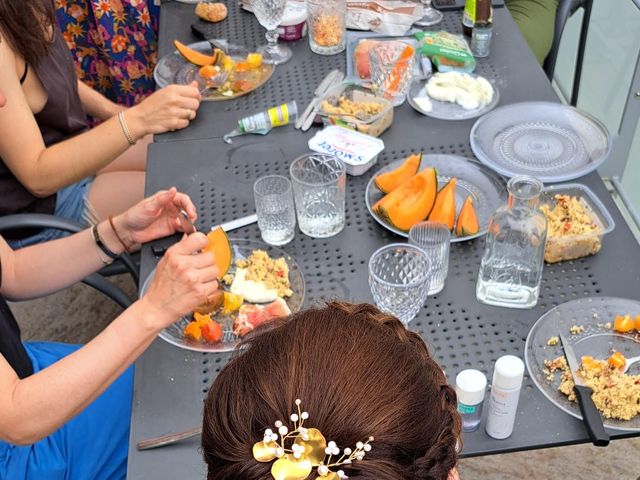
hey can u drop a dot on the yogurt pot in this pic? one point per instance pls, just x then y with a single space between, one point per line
293 26
358 151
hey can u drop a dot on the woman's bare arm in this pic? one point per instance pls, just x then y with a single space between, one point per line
44 171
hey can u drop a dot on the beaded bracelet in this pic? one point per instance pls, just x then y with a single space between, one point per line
125 128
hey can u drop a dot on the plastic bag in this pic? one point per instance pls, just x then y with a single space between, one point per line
448 52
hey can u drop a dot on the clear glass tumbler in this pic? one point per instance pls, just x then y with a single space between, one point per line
274 206
327 21
269 13
433 238
319 184
399 276
392 65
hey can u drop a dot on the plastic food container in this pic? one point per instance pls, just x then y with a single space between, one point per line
373 125
293 26
358 151
569 247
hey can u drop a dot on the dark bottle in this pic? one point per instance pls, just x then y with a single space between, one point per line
468 17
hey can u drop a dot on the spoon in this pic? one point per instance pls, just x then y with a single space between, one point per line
187 224
630 361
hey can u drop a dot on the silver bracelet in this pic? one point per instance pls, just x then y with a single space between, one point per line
125 128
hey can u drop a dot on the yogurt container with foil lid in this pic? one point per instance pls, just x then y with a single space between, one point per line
358 151
293 26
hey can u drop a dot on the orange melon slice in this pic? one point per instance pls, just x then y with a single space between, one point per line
194 57
411 202
219 245
444 210
388 181
467 219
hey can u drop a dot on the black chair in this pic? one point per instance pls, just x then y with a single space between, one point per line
126 263
566 8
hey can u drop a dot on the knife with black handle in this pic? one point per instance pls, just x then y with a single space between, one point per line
590 414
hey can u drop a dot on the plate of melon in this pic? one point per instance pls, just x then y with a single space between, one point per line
450 189
259 283
221 73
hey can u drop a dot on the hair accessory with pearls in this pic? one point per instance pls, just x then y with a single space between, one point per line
306 450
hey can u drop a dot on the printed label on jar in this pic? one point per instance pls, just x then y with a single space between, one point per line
467 409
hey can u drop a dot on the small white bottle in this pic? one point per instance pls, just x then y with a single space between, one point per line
505 393
471 385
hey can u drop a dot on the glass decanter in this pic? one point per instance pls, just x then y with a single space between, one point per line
511 268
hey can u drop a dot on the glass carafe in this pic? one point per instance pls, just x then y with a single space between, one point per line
511 268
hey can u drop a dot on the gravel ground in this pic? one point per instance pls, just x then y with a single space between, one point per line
78 313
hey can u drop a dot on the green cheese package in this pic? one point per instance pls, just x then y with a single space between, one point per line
448 52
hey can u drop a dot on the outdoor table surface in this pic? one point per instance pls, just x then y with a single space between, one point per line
171 383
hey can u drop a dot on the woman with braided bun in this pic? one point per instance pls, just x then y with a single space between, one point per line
358 374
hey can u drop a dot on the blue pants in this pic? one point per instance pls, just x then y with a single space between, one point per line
91 446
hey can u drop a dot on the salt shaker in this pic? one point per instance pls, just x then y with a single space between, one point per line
470 389
505 393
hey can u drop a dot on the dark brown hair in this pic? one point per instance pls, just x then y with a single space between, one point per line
359 373
24 24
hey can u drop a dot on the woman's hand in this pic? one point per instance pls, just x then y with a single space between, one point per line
154 217
184 279
170 108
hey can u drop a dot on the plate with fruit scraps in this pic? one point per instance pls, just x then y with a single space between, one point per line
588 325
234 73
242 319
486 190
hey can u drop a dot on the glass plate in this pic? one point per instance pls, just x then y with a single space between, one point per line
241 250
596 341
174 69
489 191
550 141
450 110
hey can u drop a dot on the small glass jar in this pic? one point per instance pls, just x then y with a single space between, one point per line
511 269
327 20
471 387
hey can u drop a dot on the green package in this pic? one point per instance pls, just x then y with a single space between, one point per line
448 52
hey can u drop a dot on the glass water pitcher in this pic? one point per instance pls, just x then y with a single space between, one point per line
511 268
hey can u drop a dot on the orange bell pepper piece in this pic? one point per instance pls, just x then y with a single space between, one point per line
638 323
617 360
193 331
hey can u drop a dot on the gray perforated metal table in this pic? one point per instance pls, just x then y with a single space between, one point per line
170 383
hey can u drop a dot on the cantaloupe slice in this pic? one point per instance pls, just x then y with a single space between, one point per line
444 210
194 57
388 181
411 202
219 245
467 219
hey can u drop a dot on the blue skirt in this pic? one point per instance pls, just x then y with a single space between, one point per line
91 446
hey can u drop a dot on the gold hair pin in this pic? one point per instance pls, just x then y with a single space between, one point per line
307 449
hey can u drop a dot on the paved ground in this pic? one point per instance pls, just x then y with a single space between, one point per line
78 313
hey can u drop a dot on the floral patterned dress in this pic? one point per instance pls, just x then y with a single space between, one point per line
114 44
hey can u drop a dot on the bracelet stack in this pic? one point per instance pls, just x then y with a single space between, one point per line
113 227
103 248
125 128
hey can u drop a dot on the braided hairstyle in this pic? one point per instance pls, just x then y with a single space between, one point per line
358 372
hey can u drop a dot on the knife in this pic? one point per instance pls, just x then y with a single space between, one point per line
590 415
238 223
333 78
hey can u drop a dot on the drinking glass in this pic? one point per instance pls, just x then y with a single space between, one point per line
274 207
327 26
430 17
399 277
269 13
319 184
392 66
433 238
